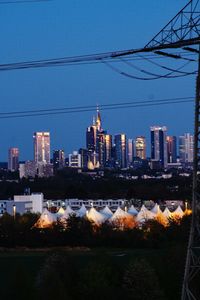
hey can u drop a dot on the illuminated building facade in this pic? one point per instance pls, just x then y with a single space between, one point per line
171 149
108 148
130 151
186 148
42 147
140 147
58 159
13 159
120 151
159 145
75 160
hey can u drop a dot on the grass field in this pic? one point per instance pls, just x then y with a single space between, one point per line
18 269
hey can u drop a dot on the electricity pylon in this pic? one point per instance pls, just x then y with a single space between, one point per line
183 31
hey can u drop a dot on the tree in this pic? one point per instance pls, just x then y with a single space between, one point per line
141 283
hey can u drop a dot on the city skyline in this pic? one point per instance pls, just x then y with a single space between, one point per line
141 144
56 34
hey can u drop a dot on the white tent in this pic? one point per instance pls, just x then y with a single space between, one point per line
156 209
122 219
132 210
144 215
81 212
119 214
60 212
46 219
107 212
178 212
67 213
167 213
95 216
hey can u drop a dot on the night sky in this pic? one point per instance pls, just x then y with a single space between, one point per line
59 28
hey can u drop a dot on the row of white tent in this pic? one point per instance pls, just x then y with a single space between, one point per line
99 217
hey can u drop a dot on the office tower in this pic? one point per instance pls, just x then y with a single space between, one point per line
95 142
186 148
120 151
84 157
58 159
171 149
159 145
91 138
140 147
75 160
13 159
42 147
108 148
130 150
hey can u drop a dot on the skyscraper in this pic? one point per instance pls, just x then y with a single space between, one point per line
140 147
159 145
95 142
41 147
120 150
108 148
186 148
130 151
58 159
13 159
171 149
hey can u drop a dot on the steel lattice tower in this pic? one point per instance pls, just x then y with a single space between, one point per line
184 30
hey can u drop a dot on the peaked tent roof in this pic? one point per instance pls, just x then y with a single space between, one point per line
107 212
81 212
144 215
119 214
178 212
96 216
67 213
60 212
156 209
167 213
132 210
46 219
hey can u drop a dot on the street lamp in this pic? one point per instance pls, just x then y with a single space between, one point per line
14 211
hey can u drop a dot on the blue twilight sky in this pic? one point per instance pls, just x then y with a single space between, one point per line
73 27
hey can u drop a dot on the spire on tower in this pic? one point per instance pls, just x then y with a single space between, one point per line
98 119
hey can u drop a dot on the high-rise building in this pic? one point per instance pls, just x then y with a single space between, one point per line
120 151
13 159
95 142
159 145
130 151
75 160
140 147
171 149
108 148
42 147
58 159
186 148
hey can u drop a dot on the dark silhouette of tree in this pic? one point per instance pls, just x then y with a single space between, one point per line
140 282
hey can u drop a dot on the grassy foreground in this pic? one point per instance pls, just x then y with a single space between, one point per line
19 268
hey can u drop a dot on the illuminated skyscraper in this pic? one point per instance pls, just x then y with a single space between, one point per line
58 159
13 159
186 148
42 147
95 142
120 150
159 145
108 148
130 150
171 149
140 147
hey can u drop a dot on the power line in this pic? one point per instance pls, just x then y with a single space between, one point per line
79 109
23 1
77 60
